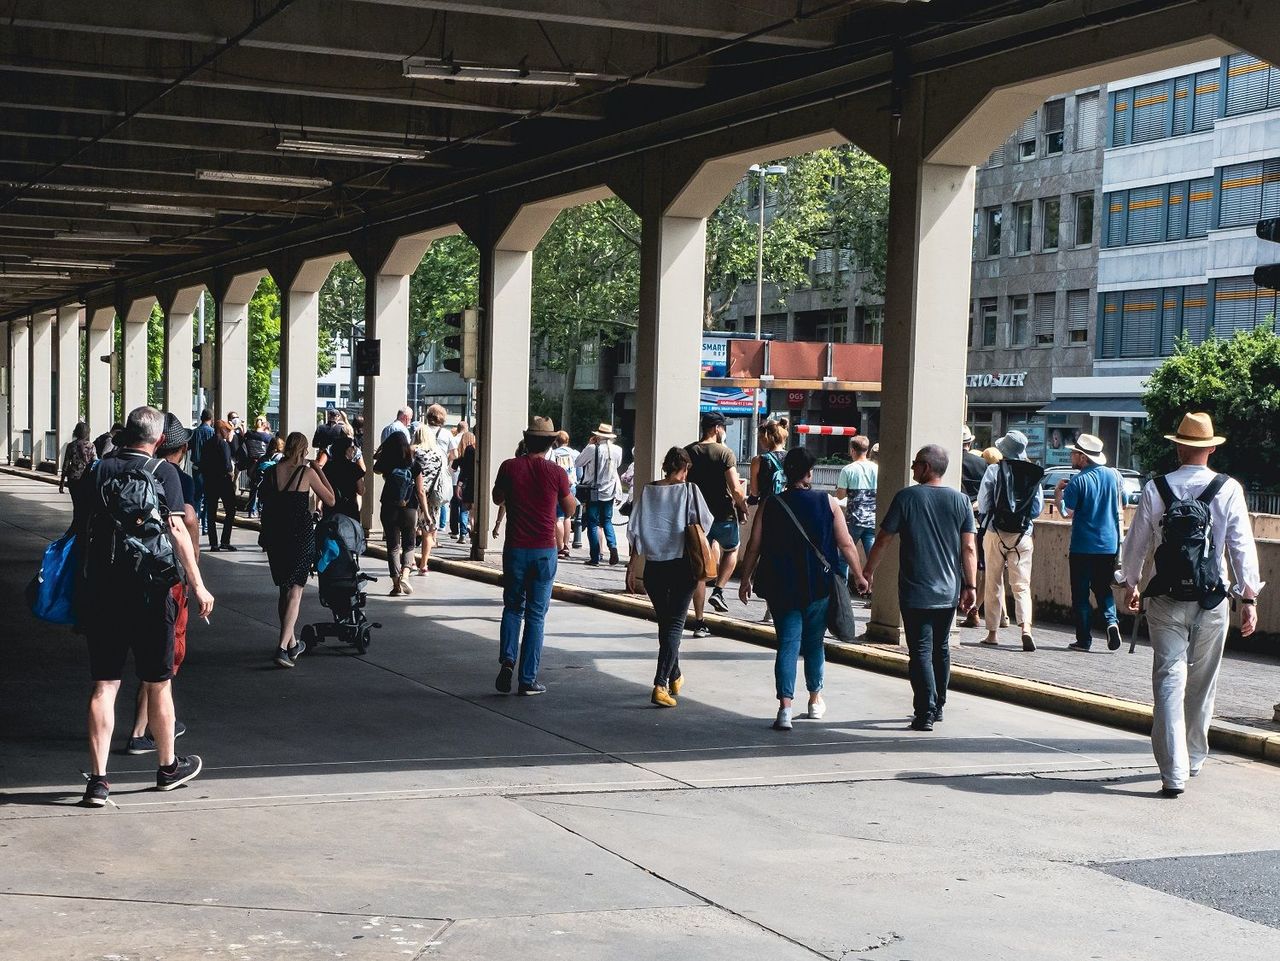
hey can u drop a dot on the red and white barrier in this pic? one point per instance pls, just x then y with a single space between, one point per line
826 431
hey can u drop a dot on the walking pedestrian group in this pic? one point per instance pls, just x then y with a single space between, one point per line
1188 558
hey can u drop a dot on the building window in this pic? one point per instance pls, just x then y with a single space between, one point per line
1195 102
989 321
1252 84
326 391
1087 121
994 217
1150 112
1055 112
1084 220
625 348
977 234
1147 323
1022 228
1078 316
1046 307
1249 192
1189 104
873 324
997 157
1027 137
1239 304
1019 321
1162 212
1050 221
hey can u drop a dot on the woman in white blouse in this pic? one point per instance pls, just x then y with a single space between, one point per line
656 530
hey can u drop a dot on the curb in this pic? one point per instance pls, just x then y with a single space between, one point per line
884 659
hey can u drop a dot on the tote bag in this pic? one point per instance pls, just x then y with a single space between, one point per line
697 549
51 592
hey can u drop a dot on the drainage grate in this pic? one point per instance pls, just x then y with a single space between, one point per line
1245 884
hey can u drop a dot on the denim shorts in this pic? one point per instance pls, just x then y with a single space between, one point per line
724 533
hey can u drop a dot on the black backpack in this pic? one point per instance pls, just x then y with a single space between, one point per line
1187 563
130 532
398 489
1017 482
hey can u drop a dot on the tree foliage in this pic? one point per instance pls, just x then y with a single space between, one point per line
1236 381
264 345
341 309
446 281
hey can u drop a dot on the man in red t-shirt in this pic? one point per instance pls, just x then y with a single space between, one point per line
530 487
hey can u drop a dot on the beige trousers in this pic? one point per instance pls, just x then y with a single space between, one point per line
1007 554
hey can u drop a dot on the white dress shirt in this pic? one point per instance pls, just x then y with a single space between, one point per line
1229 522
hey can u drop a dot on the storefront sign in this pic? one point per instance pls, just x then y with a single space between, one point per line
796 399
997 380
730 401
715 357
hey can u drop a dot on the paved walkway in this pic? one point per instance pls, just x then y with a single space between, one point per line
1248 688
394 806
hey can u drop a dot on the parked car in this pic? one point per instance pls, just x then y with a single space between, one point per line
1130 480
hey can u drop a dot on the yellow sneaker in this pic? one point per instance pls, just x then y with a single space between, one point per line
675 684
662 698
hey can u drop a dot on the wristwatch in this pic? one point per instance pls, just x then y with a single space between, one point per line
968 587
1248 600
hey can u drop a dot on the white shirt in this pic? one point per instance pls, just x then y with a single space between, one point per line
598 466
657 523
394 426
447 442
1229 522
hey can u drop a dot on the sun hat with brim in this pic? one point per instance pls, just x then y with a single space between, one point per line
175 435
1013 445
541 427
1196 430
966 435
605 431
1091 447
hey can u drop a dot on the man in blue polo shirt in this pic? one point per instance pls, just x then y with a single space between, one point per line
1092 499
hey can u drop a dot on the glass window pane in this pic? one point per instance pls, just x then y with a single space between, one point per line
1246 83
1200 211
1146 215
1022 221
1150 108
1020 321
1140 323
1084 220
1241 195
1050 220
993 231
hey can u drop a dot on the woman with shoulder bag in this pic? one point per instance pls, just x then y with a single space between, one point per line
791 559
290 535
403 496
657 529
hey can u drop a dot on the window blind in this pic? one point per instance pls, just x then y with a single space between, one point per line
1271 188
1199 206
1176 212
1077 310
1150 108
1087 121
1195 312
1241 194
1235 302
1247 84
1121 114
1183 104
1170 319
1045 305
1146 215
1117 202
1110 323
1205 110
1140 323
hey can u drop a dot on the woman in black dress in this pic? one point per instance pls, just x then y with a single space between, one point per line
218 467
290 536
346 476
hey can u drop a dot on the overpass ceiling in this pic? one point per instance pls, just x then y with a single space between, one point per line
139 139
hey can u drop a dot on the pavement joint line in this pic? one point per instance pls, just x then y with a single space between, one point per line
1038 695
835 776
1050 747
207 904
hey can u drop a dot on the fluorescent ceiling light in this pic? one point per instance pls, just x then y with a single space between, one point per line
34 275
101 236
73 264
169 209
419 70
358 151
264 180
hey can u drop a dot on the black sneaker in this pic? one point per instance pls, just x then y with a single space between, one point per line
717 600
1028 643
937 715
283 659
700 629
294 652
503 683
530 690
96 792
179 729
184 769
1077 646
1170 792
1113 637
140 745
229 547
922 723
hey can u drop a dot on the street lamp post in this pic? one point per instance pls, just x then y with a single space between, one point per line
755 392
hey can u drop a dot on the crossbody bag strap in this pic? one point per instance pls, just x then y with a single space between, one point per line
826 565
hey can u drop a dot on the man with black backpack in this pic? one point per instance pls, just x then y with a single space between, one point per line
1189 517
1009 501
137 548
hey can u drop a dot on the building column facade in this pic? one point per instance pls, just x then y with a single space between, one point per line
99 336
6 393
925 329
133 355
40 383
300 343
178 378
19 386
70 317
231 331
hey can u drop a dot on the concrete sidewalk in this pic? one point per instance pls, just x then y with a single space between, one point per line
395 806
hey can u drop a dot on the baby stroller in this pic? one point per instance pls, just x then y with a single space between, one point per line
339 544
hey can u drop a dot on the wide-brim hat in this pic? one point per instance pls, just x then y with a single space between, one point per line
1091 447
605 431
966 435
175 434
541 427
1013 445
1196 430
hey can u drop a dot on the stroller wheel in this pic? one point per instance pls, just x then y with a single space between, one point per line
309 635
362 639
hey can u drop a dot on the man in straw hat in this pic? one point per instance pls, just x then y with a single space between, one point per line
529 487
598 466
1186 615
1094 501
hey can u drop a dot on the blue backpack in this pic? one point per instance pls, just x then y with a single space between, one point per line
779 478
398 489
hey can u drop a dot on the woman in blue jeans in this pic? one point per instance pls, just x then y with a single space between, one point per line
783 566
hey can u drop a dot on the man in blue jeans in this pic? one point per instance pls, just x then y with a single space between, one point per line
937 568
529 487
598 466
1093 501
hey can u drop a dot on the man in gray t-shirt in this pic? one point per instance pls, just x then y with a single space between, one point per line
937 568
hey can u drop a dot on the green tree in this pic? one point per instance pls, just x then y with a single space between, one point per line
586 286
155 360
341 309
446 281
264 345
1236 381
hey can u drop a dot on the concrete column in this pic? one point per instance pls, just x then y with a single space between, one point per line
70 317
133 355
99 336
386 312
179 342
19 385
231 367
673 257
926 302
506 299
6 392
40 383
300 343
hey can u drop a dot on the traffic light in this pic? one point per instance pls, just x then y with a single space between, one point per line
465 343
1268 275
368 358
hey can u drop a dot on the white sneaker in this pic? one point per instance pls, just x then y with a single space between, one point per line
783 721
405 586
817 709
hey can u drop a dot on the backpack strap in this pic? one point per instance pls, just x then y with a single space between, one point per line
1210 492
1165 491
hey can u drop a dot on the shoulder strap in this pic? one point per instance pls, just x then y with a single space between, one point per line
822 560
151 465
1210 492
1165 491
297 472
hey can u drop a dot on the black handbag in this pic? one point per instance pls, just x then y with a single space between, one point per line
840 620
